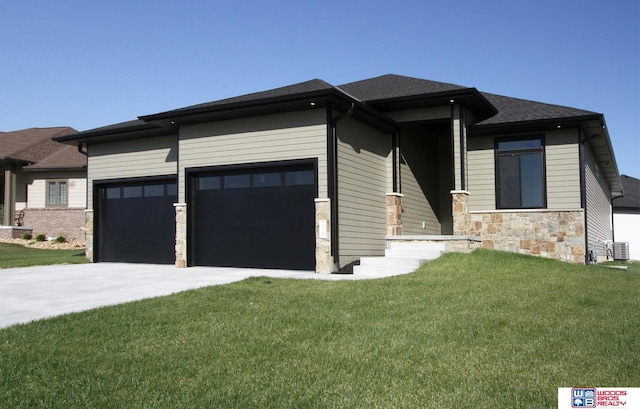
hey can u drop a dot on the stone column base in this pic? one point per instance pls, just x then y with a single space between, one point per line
324 259
181 234
394 214
88 224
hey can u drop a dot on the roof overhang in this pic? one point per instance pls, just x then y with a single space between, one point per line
332 98
126 130
471 98
167 123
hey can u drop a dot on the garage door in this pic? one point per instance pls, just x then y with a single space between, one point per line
259 217
136 222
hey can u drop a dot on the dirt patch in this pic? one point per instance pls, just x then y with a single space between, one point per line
49 245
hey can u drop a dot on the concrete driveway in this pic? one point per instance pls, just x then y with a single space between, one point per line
32 293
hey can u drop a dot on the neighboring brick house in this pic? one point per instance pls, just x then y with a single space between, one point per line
626 216
44 184
314 176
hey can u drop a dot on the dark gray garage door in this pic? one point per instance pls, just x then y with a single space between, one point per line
259 217
135 222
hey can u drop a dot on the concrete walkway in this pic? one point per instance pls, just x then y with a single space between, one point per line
32 293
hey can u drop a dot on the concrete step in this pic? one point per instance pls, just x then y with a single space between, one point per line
417 245
391 261
382 270
411 253
387 265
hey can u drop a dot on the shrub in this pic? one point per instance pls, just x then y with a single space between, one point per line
27 236
60 239
41 237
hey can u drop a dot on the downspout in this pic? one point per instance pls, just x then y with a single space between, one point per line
583 196
85 153
332 158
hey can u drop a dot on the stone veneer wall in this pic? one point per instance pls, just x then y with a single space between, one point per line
88 225
55 222
394 214
324 259
181 234
557 234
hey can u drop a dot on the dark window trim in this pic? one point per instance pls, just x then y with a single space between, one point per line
103 184
497 154
240 169
57 184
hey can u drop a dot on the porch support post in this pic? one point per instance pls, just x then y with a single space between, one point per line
9 197
459 139
324 259
394 214
460 210
181 234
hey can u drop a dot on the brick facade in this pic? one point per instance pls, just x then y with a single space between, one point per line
55 222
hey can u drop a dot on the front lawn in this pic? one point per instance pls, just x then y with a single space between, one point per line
483 330
15 255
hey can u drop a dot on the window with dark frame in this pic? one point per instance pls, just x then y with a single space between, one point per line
57 193
520 173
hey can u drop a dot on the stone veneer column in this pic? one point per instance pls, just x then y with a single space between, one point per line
394 214
181 234
324 259
460 212
88 224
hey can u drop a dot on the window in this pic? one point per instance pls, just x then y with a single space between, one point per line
57 193
520 174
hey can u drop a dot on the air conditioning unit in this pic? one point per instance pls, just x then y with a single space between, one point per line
621 250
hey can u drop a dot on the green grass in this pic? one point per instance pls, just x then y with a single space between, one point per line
14 255
483 330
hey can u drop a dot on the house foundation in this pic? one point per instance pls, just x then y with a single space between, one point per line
557 234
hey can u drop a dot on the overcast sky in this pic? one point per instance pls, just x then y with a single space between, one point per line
90 63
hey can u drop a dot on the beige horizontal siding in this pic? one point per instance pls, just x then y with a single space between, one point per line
77 192
562 169
130 159
481 170
598 207
298 135
362 182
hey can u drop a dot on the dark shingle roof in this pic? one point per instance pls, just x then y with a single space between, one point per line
631 189
35 146
30 144
312 86
65 157
395 86
512 110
